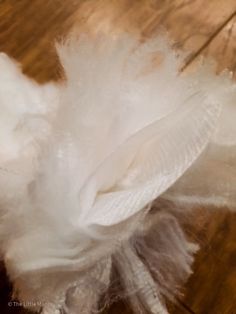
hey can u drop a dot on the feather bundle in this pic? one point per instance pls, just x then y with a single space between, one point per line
83 161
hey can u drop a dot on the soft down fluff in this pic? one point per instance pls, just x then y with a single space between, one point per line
82 162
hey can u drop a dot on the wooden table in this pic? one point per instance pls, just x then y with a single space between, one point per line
28 29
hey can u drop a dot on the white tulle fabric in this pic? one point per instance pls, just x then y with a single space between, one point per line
83 160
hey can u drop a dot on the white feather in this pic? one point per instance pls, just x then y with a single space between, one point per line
110 140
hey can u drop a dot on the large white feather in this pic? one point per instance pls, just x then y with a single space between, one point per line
83 161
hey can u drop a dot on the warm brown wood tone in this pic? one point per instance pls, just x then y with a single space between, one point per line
28 29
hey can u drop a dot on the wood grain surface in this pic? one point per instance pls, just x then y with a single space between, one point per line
28 30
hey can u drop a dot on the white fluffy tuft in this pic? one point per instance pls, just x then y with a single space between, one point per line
82 161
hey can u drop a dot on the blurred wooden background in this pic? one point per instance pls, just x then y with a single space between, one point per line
28 29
